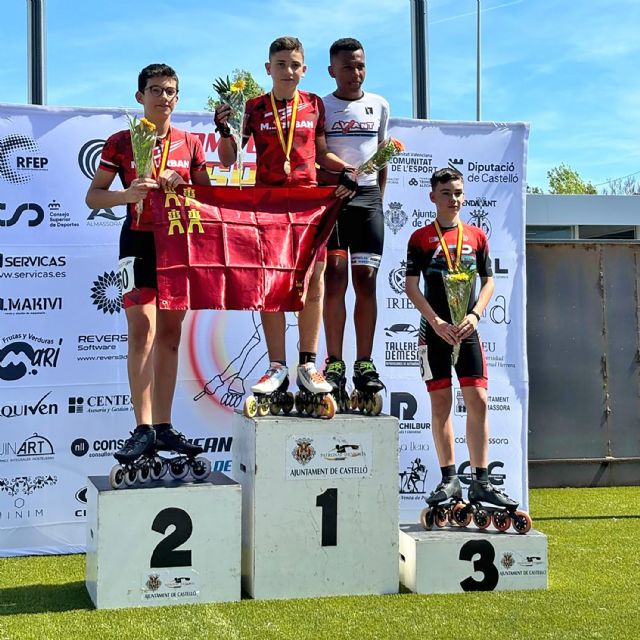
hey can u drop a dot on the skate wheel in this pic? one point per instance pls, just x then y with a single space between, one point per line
178 469
377 405
501 520
299 404
481 519
116 476
287 403
309 408
201 468
329 406
368 406
440 517
354 400
250 407
460 515
144 474
263 410
425 518
521 521
130 476
360 403
275 408
158 468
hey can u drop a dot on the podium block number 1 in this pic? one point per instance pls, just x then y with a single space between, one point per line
165 554
328 502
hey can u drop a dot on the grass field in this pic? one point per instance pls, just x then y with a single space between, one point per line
594 592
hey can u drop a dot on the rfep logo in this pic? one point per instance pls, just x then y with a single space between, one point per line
18 159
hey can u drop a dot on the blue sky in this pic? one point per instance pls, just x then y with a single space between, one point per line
567 68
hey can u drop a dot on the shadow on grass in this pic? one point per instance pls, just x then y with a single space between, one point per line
611 517
44 598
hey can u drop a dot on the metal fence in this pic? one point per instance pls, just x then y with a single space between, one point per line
583 315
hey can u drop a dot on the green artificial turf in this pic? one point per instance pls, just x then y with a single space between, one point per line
594 592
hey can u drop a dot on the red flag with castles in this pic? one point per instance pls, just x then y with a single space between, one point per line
231 248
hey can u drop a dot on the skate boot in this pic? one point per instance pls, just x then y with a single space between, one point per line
314 393
445 505
501 509
188 459
135 458
270 394
366 397
334 374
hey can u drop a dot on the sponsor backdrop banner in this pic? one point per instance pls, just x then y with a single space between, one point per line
64 397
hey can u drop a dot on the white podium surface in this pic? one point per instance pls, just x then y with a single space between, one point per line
456 559
320 505
163 543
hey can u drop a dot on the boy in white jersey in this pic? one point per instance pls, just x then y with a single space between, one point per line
355 124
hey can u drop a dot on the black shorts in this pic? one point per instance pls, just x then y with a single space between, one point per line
360 228
141 246
471 367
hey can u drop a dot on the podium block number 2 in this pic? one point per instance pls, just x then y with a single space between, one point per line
165 554
328 501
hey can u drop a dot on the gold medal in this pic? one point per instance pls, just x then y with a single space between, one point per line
287 167
286 146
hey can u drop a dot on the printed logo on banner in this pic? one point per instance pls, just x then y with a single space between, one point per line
521 565
116 402
101 347
26 409
26 485
494 403
403 350
396 282
401 329
110 218
404 407
492 172
498 310
168 584
89 157
106 292
21 267
329 455
58 217
422 217
27 354
412 163
18 159
394 217
33 214
35 448
495 477
479 216
29 306
81 497
457 164
413 478
22 490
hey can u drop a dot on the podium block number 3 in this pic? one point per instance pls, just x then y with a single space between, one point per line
328 501
484 564
165 554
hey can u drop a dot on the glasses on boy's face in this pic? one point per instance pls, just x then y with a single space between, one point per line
156 91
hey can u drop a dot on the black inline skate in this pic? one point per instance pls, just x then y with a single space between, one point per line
445 505
314 393
187 461
501 509
335 374
135 458
270 394
366 397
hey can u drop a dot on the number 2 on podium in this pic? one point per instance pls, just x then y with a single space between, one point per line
328 501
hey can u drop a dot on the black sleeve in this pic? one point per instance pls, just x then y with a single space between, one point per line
483 260
415 259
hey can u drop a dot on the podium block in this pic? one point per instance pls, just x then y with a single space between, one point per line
163 543
320 505
465 559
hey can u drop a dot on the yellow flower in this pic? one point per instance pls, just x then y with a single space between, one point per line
238 85
147 124
460 276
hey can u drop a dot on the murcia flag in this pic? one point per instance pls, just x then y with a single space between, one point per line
231 248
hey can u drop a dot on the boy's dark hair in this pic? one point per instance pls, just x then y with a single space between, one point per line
447 174
286 43
345 44
155 71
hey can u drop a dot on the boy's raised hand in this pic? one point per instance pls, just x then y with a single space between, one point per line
221 118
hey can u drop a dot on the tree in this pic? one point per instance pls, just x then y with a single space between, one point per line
536 190
564 180
251 88
627 186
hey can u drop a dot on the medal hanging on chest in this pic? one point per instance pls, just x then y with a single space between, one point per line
451 265
286 146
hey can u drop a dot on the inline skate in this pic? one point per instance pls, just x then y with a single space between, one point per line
135 458
445 506
366 380
501 509
314 393
270 394
188 458
334 374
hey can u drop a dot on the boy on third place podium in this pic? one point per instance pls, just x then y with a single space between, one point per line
288 129
438 248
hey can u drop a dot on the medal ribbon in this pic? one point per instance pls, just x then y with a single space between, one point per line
294 112
166 143
445 248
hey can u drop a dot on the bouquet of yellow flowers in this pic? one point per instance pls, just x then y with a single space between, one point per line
143 140
386 150
458 285
232 93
